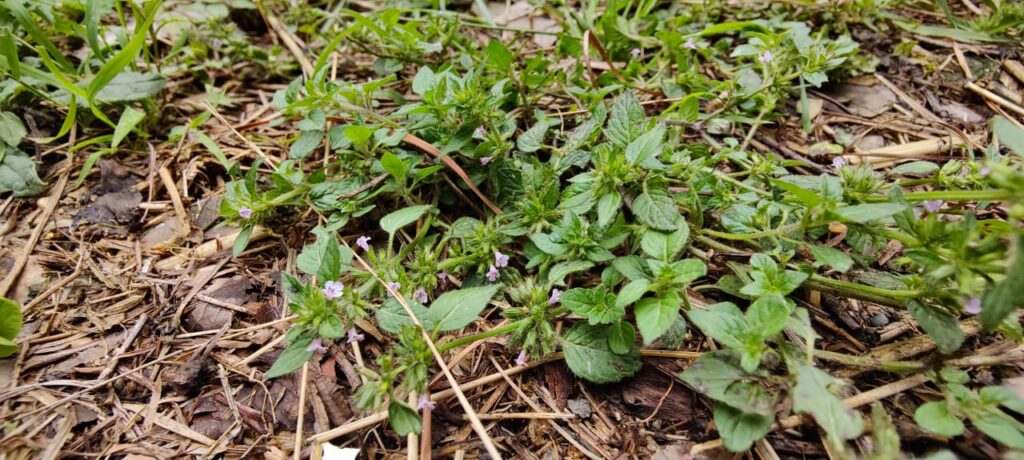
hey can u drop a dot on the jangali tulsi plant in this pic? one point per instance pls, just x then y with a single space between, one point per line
607 221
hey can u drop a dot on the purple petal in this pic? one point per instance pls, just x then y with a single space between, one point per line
245 212
424 402
485 160
492 273
933 205
766 57
556 296
363 242
354 336
521 359
973 306
420 296
317 346
690 44
333 289
838 162
500 260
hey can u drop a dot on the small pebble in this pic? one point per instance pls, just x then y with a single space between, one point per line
580 408
879 320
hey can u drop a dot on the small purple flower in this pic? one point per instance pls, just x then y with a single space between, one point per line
500 260
245 212
363 242
973 306
635 52
556 296
485 160
492 273
420 296
521 359
354 336
933 205
394 285
317 346
333 289
766 57
442 275
690 44
480 131
985 171
425 403
838 162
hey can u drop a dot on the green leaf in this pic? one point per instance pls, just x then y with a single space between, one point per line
607 206
129 86
631 267
402 217
665 246
589 356
914 167
1003 298
394 166
241 241
293 357
1003 396
740 429
646 146
307 142
112 68
655 316
532 140
621 337
838 260
1000 427
545 243
424 81
10 326
594 304
811 395
863 213
498 55
723 322
560 270
657 211
391 316
940 326
1009 134
457 309
768 314
322 258
331 328
626 116
403 419
130 118
18 174
885 439
936 418
631 293
12 130
687 270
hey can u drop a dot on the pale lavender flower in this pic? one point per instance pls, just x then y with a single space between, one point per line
985 171
635 52
766 57
521 359
932 205
480 131
500 260
425 403
492 273
442 275
690 44
354 336
394 285
556 296
838 162
317 346
245 212
420 296
972 306
485 160
363 242
333 289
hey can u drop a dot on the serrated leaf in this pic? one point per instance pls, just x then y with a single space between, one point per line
657 211
545 243
863 213
392 222
740 429
655 315
631 292
621 337
293 356
457 309
936 418
768 315
607 206
594 304
321 258
532 140
589 356
646 146
811 395
391 316
560 270
940 326
305 144
665 246
631 267
722 321
626 116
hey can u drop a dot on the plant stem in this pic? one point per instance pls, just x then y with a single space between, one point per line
480 336
753 236
890 297
949 195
